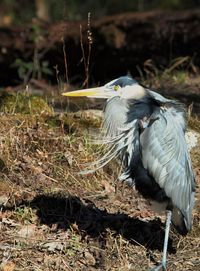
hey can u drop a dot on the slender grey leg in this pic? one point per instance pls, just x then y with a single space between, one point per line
163 265
168 222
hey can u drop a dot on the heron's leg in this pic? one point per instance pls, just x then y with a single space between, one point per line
168 222
162 266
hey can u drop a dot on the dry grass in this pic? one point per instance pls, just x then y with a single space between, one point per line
55 219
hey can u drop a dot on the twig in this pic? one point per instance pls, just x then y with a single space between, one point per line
90 41
65 61
50 178
82 48
57 78
190 109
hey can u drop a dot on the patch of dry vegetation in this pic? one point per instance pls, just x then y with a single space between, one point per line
22 102
54 219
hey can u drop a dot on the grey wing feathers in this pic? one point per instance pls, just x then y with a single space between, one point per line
158 96
165 156
178 110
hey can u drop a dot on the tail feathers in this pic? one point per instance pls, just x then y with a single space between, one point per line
179 222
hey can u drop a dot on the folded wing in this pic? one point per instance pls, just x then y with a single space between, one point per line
165 156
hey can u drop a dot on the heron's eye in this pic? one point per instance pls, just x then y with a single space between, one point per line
116 88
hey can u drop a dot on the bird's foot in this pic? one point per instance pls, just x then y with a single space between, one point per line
160 267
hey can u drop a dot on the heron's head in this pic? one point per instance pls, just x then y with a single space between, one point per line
124 87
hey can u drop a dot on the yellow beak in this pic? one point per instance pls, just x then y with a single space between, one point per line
98 92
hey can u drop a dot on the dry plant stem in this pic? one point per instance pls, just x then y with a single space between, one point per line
82 48
89 36
57 78
65 61
86 61
36 68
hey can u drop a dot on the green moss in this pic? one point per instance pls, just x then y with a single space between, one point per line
23 103
52 121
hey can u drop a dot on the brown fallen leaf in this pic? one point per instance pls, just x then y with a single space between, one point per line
108 187
69 157
90 260
3 200
74 226
7 266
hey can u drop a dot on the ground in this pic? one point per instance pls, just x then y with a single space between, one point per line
53 218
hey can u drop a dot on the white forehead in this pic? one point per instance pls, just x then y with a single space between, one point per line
132 92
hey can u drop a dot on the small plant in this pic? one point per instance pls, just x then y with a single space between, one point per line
36 67
24 69
27 70
25 214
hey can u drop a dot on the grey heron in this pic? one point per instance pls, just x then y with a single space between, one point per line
147 132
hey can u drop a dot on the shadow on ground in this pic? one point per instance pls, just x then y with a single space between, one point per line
67 210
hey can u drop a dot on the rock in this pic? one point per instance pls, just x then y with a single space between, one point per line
191 139
53 246
27 231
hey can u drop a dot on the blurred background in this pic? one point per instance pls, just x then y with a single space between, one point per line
23 11
60 45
